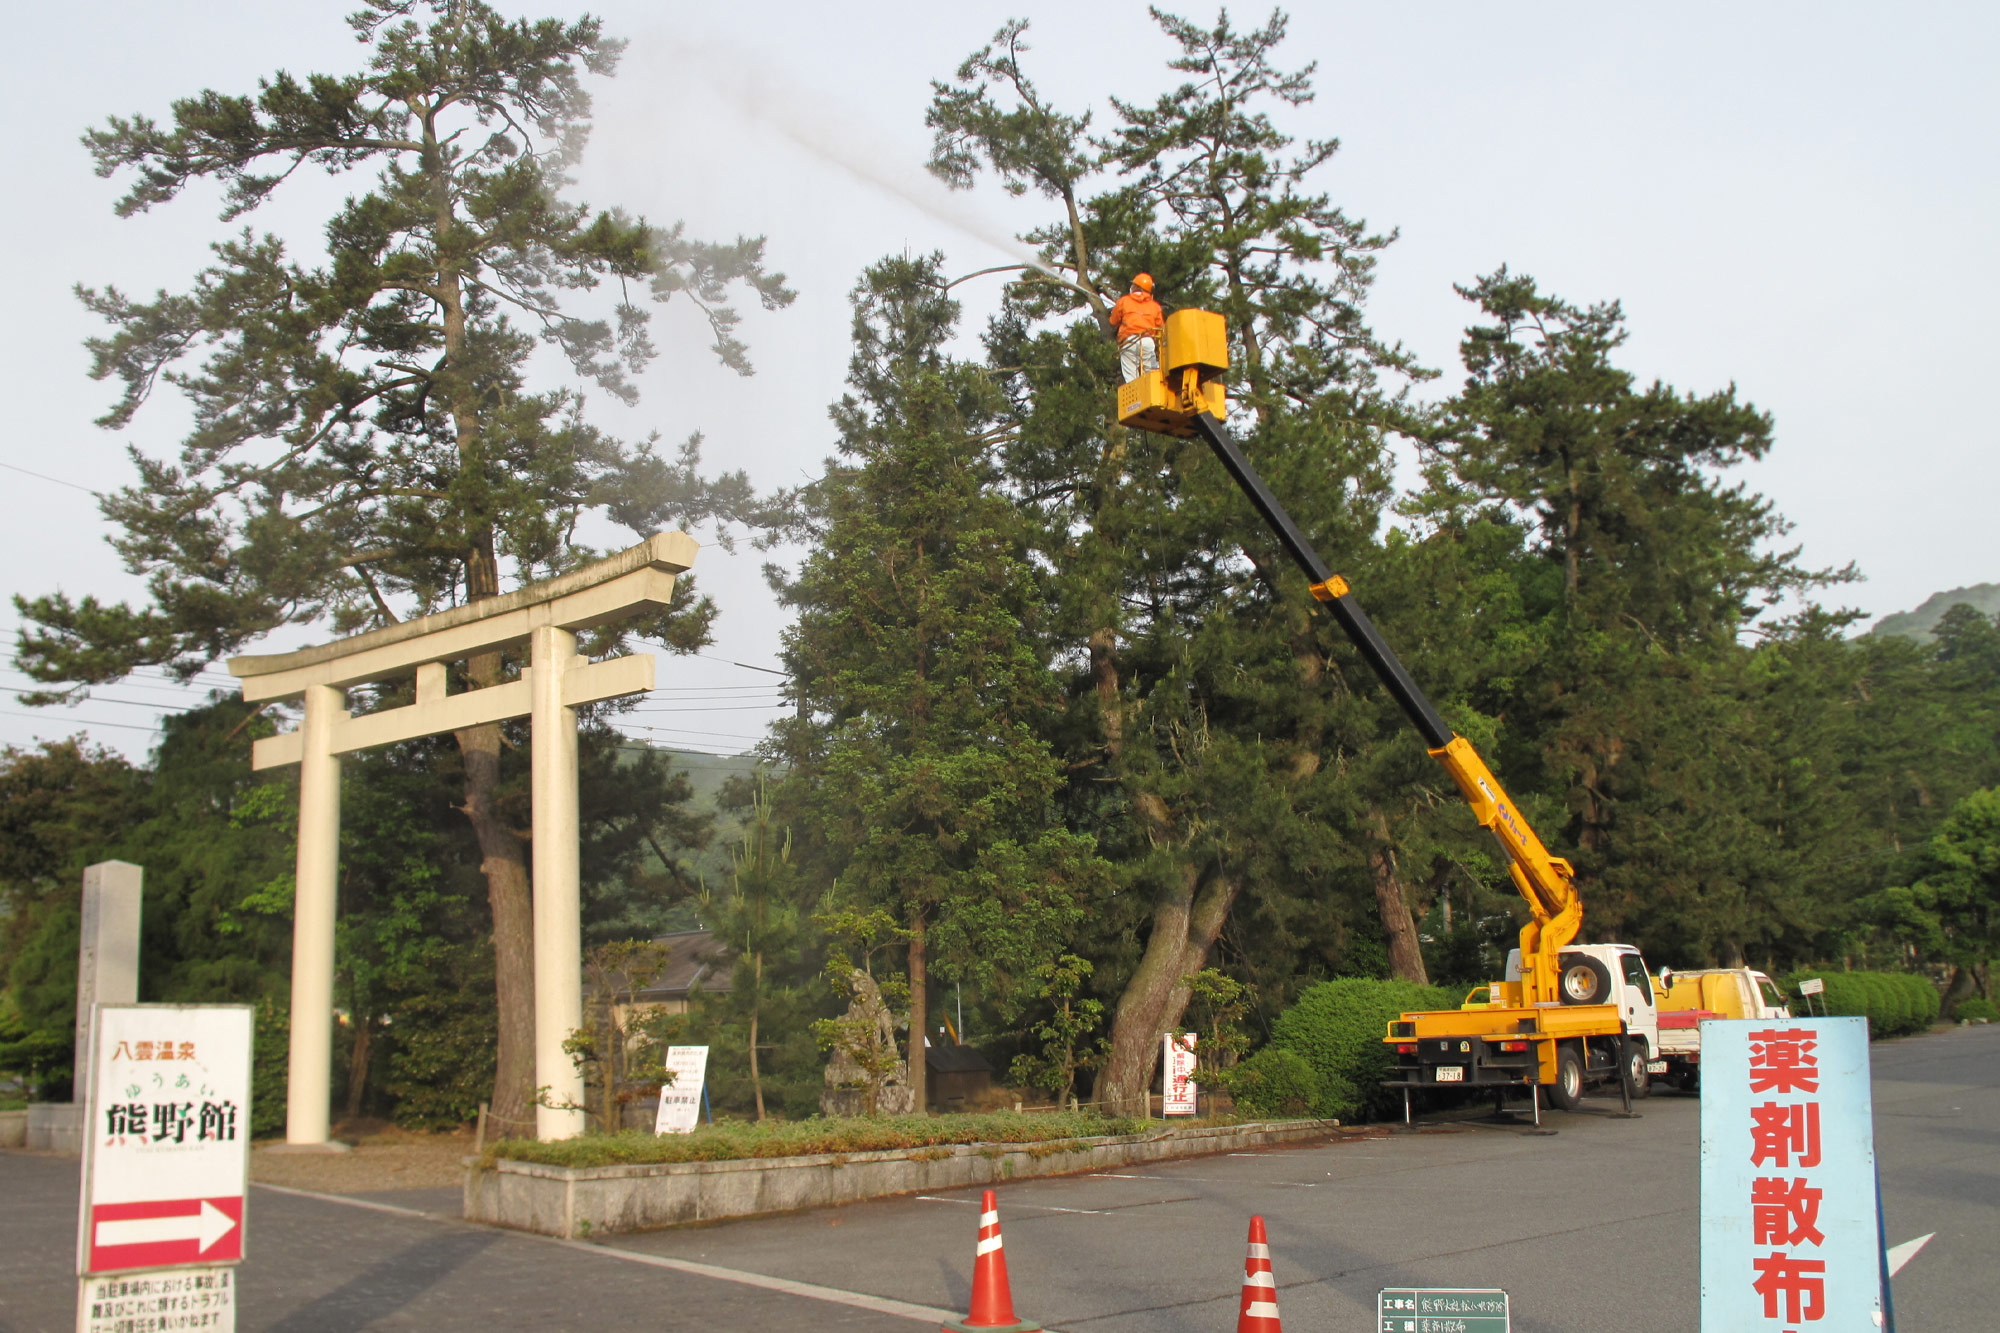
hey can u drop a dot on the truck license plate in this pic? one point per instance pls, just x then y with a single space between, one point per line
1451 1073
1656 1067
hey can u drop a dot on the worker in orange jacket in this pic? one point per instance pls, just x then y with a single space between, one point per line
1137 321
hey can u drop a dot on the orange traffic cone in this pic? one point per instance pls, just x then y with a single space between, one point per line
992 1302
1259 1312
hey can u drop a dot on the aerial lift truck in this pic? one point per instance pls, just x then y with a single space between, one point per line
1567 1014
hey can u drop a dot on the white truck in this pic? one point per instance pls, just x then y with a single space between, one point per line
1686 998
1605 1027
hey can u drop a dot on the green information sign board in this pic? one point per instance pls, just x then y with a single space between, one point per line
1441 1310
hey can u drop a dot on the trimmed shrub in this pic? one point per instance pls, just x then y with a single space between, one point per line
1338 1026
1276 1082
736 1140
1924 1003
1894 1003
1888 1007
1976 1009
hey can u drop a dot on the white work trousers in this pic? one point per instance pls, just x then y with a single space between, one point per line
1138 355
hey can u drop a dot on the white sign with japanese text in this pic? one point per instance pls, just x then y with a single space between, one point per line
680 1099
185 1300
1177 1083
166 1143
1789 1235
166 1154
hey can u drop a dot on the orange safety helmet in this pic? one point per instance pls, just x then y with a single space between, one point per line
1143 281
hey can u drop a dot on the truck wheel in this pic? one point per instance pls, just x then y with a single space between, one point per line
1583 980
1566 1093
1635 1069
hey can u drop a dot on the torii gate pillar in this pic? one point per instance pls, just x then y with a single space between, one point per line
555 682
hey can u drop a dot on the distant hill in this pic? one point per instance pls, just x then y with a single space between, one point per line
714 864
1918 624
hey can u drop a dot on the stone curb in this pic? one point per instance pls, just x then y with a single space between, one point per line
573 1202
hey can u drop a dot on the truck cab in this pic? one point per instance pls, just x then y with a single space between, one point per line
1622 981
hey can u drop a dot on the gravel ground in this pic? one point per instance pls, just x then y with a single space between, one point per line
393 1160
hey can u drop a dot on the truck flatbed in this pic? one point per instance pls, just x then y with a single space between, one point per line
1487 1045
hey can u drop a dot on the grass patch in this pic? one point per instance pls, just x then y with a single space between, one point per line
739 1140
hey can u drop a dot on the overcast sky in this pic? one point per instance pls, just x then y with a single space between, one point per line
1799 199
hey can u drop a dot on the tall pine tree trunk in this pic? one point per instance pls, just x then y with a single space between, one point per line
1188 917
1187 920
756 1004
919 1012
1406 956
357 1063
502 856
503 860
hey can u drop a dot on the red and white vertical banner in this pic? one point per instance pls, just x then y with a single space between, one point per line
1790 1240
166 1157
1177 1081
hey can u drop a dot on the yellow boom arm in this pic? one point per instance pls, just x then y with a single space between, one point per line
1184 397
1544 880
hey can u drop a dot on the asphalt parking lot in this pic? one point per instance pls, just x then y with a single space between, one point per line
1594 1227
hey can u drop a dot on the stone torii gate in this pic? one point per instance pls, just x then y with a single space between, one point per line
551 687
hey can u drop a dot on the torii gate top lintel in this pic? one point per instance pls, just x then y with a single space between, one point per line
636 579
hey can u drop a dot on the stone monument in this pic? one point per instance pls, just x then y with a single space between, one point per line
107 972
866 1076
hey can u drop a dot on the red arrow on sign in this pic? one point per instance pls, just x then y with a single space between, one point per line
165 1232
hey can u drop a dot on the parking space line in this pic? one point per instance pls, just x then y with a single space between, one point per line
1013 1204
1211 1180
859 1300
351 1201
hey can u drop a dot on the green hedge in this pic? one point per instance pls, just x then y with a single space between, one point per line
1894 1003
733 1140
1975 1007
1337 1028
1276 1083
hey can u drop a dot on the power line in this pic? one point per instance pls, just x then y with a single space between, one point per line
218 673
39 717
723 691
43 476
731 708
181 695
99 698
769 671
688 731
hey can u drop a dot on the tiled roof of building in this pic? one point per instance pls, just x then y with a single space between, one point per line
698 959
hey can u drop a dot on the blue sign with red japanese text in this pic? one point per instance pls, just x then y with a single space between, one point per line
1790 1240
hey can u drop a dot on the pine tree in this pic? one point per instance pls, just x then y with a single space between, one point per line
765 920
364 435
1204 689
917 768
1640 709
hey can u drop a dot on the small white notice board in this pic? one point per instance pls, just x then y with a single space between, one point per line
166 1153
680 1099
1177 1084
